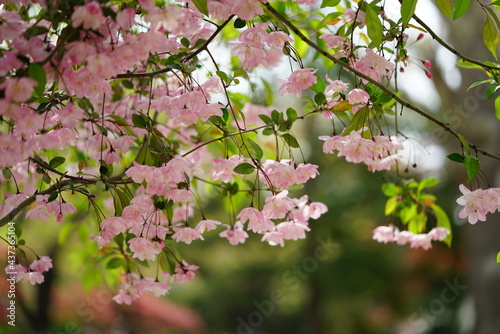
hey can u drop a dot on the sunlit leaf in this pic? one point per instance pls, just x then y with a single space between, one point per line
445 7
490 36
461 6
471 167
407 10
374 27
442 220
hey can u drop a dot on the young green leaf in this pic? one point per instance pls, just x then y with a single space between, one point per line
445 7
259 153
442 221
490 36
329 3
465 143
202 6
244 168
456 157
290 140
390 205
461 6
374 27
471 167
497 107
56 162
407 11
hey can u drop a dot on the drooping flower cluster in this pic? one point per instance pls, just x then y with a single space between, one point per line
298 81
258 47
33 273
282 174
378 153
387 234
478 203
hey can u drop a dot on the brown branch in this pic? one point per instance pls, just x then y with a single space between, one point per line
380 86
450 48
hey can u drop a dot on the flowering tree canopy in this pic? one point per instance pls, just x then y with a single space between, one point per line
142 112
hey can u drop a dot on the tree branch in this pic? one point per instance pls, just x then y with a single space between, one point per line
383 88
450 48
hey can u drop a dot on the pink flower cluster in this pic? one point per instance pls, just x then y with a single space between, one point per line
43 208
258 47
374 66
296 213
34 273
299 80
377 153
478 203
134 286
224 168
387 234
283 174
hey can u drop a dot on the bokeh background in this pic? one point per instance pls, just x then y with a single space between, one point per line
338 280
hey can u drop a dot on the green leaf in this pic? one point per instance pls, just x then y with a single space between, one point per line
471 167
456 157
357 122
408 213
6 173
329 3
461 6
465 143
490 91
407 11
374 27
390 205
139 121
116 262
445 7
389 189
36 71
498 257
244 168
202 6
477 83
291 115
239 23
34 31
56 162
223 76
290 140
266 119
497 107
239 72
259 153
490 36
320 98
53 197
442 220
427 183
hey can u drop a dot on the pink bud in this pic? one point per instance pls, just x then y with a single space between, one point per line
420 36
427 64
401 69
429 74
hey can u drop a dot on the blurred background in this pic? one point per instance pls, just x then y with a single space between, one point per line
338 280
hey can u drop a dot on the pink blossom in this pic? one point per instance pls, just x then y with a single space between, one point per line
299 80
403 237
184 273
357 95
473 204
247 9
257 222
19 89
143 249
235 234
114 225
42 264
125 18
224 168
383 234
89 16
439 233
274 238
277 206
304 172
336 86
421 241
278 39
333 41
186 234
207 225
315 210
292 230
